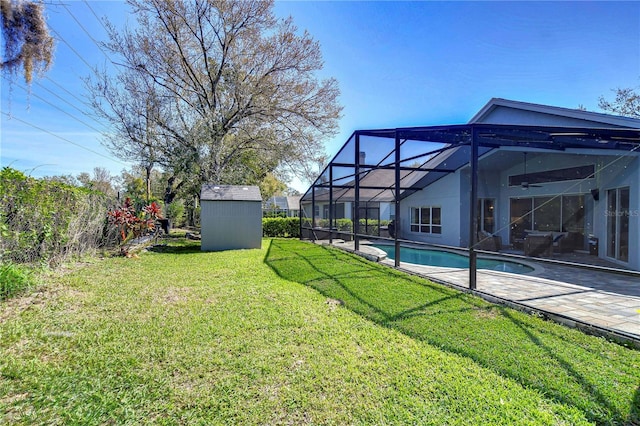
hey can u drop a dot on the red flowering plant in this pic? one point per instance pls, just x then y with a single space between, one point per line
133 225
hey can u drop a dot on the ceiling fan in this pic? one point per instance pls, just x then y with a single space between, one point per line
525 182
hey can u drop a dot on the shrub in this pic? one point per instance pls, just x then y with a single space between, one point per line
175 212
368 227
344 225
47 221
14 279
281 227
131 224
274 213
293 227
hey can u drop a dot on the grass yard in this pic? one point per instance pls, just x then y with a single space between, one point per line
293 334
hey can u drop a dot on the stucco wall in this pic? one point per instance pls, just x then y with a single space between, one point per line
443 193
621 173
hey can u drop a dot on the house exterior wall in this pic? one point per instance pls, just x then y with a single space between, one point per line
489 186
442 193
229 225
612 171
322 210
386 211
451 193
622 173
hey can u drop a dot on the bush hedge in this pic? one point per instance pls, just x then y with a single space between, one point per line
367 226
281 227
45 221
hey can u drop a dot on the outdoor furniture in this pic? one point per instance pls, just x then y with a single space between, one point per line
567 242
488 242
538 245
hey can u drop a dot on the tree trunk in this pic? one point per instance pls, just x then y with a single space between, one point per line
148 178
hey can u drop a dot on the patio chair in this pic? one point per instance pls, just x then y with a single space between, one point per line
538 245
567 242
488 242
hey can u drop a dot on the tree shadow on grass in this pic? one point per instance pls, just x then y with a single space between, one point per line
180 248
345 283
563 364
634 416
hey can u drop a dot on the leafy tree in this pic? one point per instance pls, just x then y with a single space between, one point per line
626 103
134 186
100 181
27 42
271 186
314 168
65 179
176 213
291 192
229 91
142 186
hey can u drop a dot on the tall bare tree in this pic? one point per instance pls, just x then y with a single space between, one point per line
626 102
128 102
101 181
234 91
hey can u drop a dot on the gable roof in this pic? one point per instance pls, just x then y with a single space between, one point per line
281 202
276 202
213 192
525 113
293 201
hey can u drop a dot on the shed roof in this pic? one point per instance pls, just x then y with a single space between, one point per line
213 192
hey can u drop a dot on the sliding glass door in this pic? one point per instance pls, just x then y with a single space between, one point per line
618 224
486 215
560 213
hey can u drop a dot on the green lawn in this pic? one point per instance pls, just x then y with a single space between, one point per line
293 334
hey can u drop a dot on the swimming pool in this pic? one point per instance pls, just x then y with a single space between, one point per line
433 257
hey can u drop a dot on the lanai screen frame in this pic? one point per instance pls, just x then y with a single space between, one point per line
454 138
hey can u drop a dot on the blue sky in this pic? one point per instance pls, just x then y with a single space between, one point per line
398 64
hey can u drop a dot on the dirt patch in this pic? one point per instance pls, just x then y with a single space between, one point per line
10 399
334 303
488 312
16 305
174 295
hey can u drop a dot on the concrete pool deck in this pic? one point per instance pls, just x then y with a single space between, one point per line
599 302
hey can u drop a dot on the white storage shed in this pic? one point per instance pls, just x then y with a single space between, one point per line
230 217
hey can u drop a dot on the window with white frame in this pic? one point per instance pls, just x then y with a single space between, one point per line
427 220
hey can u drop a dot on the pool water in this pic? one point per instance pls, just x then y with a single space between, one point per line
452 260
